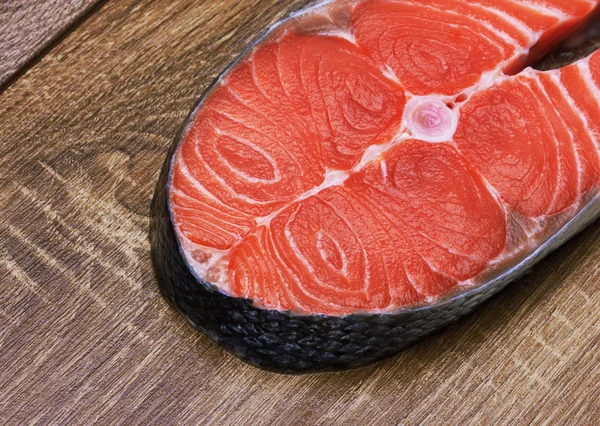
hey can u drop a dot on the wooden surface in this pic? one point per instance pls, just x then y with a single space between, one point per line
84 334
28 27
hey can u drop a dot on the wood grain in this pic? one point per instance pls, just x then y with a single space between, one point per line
28 27
84 334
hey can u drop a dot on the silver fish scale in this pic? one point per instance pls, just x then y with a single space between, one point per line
289 343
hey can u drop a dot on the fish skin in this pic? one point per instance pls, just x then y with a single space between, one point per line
565 56
580 45
290 343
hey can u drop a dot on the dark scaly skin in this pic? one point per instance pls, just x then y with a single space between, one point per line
292 343
585 43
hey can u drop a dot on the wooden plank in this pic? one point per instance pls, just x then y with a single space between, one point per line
29 27
84 334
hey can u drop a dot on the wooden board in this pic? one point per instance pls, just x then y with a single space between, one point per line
29 27
84 334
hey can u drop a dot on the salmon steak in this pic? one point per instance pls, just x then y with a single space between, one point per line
367 172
